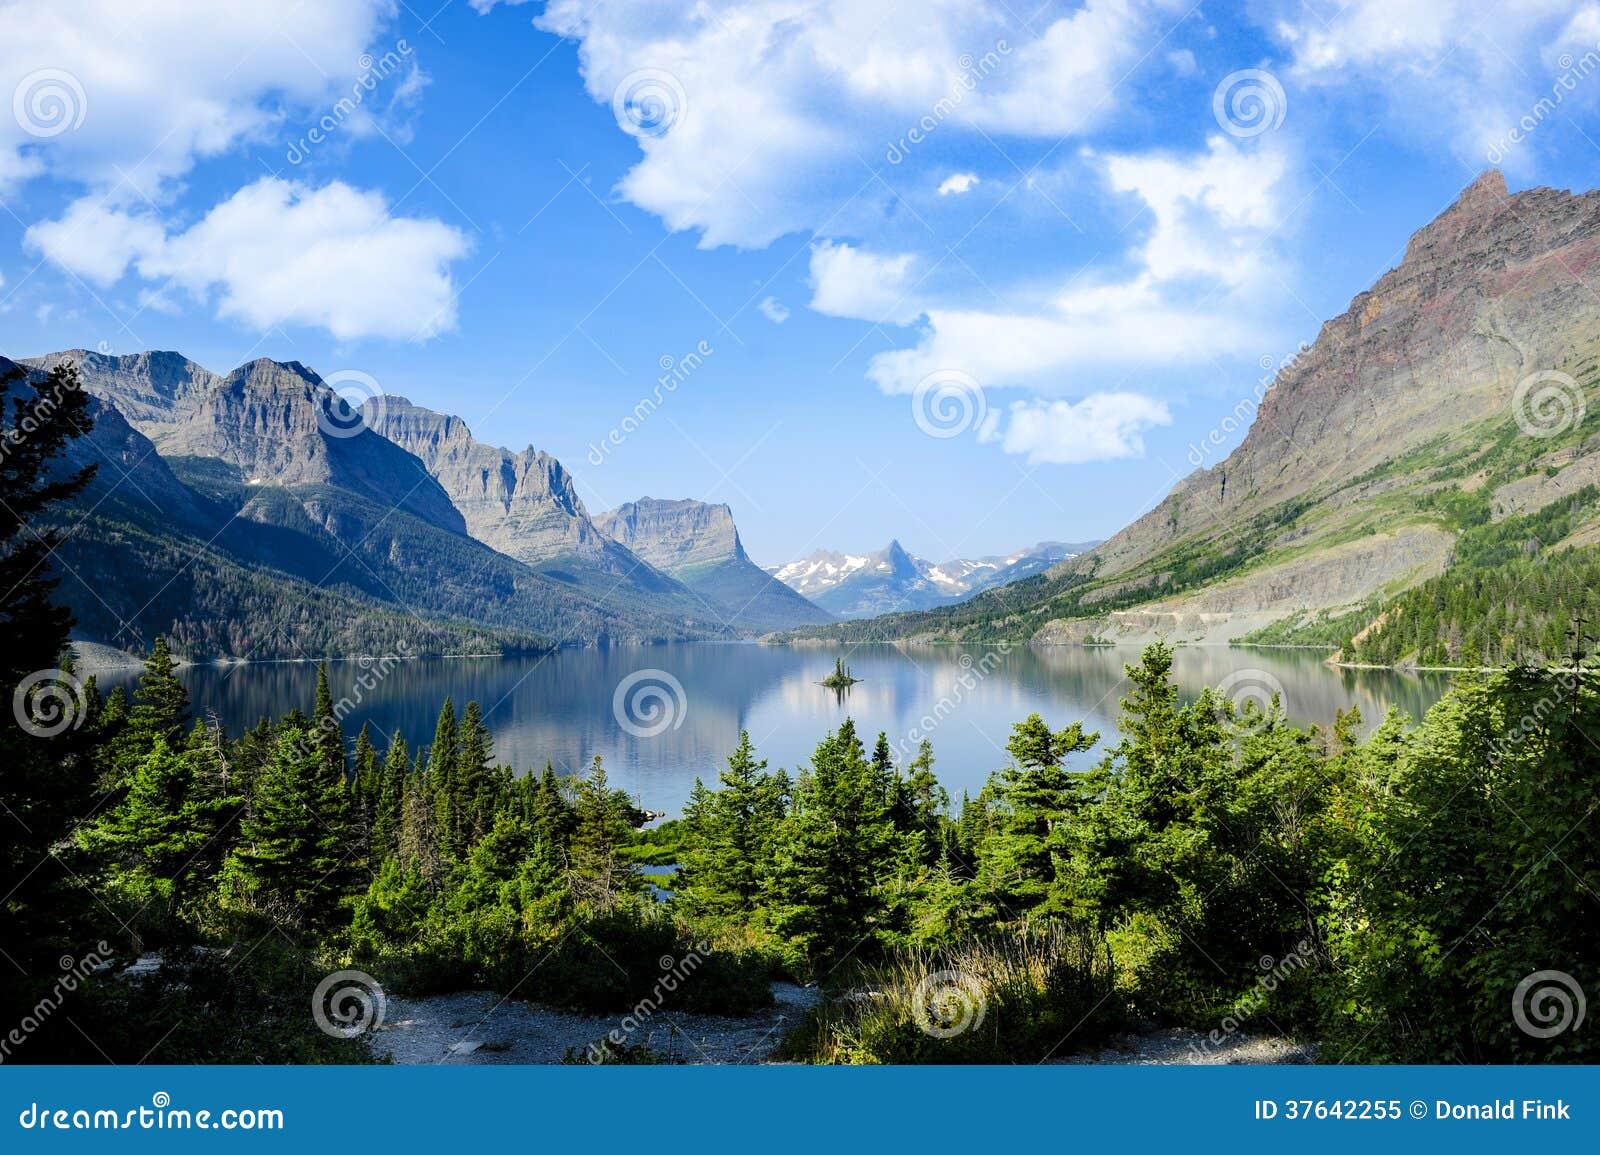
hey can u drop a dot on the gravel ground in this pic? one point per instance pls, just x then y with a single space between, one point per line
478 1027
1179 1047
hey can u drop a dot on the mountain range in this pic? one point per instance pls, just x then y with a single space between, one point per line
250 515
1418 485
891 579
253 514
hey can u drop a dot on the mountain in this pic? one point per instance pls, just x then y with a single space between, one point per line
891 580
233 515
525 505
1418 484
699 545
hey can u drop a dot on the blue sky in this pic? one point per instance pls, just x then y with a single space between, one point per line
970 274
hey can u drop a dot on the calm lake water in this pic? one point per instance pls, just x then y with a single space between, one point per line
681 706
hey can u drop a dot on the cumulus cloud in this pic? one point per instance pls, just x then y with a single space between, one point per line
957 183
1101 427
125 98
851 282
771 104
279 253
1201 264
774 310
1458 71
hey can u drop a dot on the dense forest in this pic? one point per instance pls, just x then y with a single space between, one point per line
1386 897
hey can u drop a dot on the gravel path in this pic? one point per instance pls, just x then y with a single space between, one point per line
478 1027
1179 1047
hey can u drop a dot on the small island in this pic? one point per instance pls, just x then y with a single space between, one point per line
841 678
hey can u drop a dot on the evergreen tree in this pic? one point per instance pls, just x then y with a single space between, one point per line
603 821
441 779
328 729
727 863
473 784
293 859
46 772
839 855
389 799
1022 859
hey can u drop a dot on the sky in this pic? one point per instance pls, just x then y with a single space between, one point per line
968 274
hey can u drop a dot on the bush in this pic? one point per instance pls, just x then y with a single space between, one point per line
1019 998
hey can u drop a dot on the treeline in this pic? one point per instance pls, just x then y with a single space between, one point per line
1384 898
1509 597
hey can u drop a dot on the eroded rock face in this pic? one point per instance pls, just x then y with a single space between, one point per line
269 420
1486 294
676 536
522 504
698 544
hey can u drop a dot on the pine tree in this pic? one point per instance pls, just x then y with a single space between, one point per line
46 776
389 798
329 731
152 846
474 779
839 854
293 859
727 862
441 779
604 820
1023 856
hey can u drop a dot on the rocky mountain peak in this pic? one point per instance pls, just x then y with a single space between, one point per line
675 536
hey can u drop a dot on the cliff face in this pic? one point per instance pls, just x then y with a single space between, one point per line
676 536
1487 294
523 504
698 544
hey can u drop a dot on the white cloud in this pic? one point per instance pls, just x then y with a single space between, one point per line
774 310
958 183
95 242
851 282
774 102
1457 71
1101 427
278 253
1197 289
154 86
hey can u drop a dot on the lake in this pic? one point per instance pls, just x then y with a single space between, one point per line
660 715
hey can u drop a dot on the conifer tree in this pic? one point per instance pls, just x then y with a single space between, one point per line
1023 856
728 860
839 853
441 778
389 798
293 858
603 821
329 731
474 778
